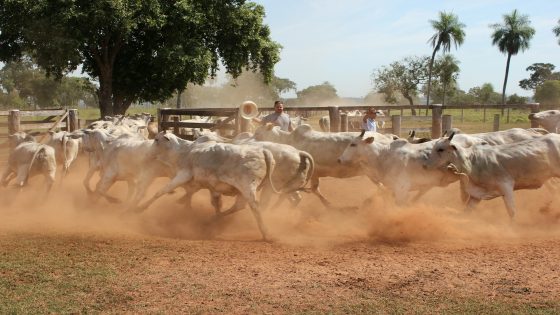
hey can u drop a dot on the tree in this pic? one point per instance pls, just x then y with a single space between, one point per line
401 78
447 70
511 37
541 72
484 94
448 30
548 94
317 94
556 31
139 50
25 81
516 99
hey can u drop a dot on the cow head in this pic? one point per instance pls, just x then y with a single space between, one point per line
442 154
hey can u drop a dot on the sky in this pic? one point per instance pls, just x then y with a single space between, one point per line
343 42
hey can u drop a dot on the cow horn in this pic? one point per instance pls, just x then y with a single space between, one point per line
362 133
451 136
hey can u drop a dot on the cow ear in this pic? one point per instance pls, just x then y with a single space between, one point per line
369 140
269 126
453 147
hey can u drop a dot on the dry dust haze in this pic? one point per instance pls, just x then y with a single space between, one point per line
437 217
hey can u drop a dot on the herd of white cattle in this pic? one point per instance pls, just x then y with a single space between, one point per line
255 166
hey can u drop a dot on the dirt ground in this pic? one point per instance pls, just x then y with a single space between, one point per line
426 257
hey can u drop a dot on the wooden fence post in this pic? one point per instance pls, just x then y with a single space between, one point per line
534 109
484 114
334 117
436 121
72 120
13 121
446 123
462 115
343 122
507 115
161 118
176 128
396 125
496 125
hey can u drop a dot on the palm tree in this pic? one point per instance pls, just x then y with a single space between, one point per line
510 37
447 69
448 30
556 31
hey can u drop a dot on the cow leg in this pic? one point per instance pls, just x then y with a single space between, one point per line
7 176
22 175
252 199
131 189
104 184
317 192
507 191
182 178
472 202
239 204
216 200
266 195
88 177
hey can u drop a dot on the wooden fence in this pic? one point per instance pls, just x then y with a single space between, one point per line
170 118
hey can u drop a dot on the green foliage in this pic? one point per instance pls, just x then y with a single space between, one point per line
556 31
511 37
27 86
139 50
317 94
516 99
541 72
548 93
401 79
449 30
446 70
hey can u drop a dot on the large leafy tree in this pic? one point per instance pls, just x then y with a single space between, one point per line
449 30
401 78
541 73
511 37
139 50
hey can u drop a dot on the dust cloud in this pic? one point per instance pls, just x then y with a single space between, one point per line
369 215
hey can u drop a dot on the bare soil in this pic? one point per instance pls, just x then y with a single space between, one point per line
426 257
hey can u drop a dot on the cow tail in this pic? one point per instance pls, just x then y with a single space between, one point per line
306 164
269 160
64 146
310 169
41 147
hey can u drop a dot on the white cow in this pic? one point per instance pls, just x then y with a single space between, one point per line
66 148
294 169
487 172
29 158
325 148
398 165
129 159
549 119
223 168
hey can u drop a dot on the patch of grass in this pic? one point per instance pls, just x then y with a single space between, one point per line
54 275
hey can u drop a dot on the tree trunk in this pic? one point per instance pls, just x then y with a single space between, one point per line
105 93
430 77
444 90
178 99
410 102
505 83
